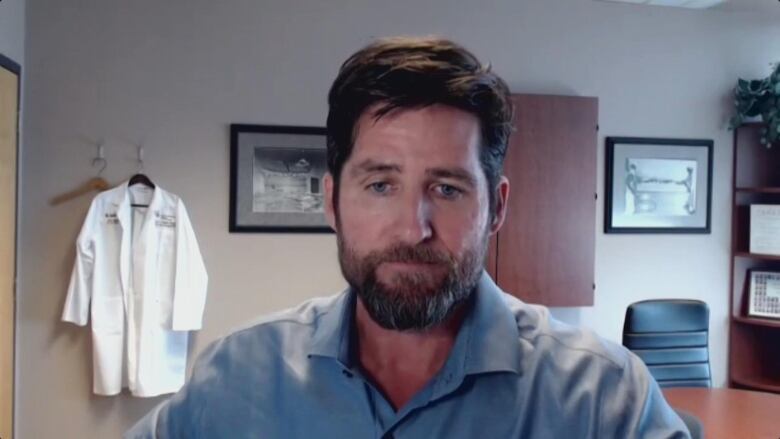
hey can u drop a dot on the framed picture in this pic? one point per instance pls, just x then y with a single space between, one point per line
658 185
276 179
764 296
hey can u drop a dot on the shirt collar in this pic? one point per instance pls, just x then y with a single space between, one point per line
490 331
486 342
333 331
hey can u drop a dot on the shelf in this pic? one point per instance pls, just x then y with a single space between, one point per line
759 190
757 256
758 384
754 352
756 321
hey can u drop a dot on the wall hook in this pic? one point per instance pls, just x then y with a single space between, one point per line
100 159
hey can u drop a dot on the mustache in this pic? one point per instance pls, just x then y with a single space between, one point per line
413 254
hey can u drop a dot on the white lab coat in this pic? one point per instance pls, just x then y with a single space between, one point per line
142 271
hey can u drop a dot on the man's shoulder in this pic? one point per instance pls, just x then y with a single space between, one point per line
298 321
546 335
285 333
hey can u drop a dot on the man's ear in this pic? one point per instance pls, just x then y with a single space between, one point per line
502 195
330 210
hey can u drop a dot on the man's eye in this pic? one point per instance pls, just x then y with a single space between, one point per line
380 187
448 191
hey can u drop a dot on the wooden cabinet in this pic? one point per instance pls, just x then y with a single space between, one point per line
545 251
754 350
10 75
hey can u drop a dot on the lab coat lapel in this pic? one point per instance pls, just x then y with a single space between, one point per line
154 207
123 215
146 244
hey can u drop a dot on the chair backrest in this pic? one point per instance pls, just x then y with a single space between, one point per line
671 337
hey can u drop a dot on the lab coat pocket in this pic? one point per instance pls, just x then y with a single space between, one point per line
108 315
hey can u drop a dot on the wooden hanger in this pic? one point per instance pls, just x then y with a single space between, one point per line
93 184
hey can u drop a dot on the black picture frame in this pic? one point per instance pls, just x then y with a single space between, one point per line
673 196
276 179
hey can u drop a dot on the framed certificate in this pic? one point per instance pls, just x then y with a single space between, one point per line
764 297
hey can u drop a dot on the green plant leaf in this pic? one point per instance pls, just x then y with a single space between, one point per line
759 97
735 121
757 85
775 76
754 108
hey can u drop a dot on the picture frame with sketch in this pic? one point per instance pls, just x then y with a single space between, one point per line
658 185
276 175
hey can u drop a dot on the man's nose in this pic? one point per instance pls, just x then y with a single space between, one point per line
413 220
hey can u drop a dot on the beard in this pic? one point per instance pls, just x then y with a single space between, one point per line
413 300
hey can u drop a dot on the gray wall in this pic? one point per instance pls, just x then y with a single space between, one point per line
174 74
12 29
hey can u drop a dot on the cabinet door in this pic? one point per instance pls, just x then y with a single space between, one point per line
545 251
9 123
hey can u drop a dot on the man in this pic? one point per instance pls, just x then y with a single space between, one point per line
422 344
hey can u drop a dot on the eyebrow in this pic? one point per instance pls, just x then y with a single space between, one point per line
454 173
367 166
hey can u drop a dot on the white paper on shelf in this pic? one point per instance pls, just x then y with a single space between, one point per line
765 229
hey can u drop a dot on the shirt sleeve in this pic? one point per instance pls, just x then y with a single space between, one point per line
182 415
634 407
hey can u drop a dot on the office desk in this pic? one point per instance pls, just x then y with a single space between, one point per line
730 413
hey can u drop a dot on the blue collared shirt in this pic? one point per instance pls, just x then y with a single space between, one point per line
513 372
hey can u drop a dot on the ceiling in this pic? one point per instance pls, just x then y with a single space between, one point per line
690 4
756 6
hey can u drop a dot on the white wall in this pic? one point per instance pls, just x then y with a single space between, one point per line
174 74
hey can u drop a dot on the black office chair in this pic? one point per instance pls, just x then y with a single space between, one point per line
671 337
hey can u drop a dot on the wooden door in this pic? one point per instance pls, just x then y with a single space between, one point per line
545 252
9 123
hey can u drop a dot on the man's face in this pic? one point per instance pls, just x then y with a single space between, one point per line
412 215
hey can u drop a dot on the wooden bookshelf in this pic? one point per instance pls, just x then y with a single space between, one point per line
754 350
757 322
758 190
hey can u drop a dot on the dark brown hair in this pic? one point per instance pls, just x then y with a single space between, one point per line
414 72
